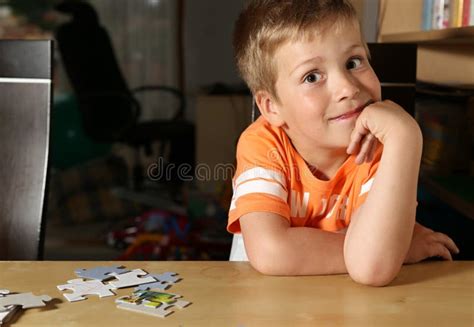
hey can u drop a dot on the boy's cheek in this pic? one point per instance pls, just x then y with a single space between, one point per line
379 92
373 85
378 89
375 91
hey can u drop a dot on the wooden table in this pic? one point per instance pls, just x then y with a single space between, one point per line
233 294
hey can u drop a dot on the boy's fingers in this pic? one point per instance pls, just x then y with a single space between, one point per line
446 241
370 156
354 143
442 251
357 135
371 148
364 149
367 153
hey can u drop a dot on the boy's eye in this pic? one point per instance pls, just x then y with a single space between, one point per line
312 77
353 63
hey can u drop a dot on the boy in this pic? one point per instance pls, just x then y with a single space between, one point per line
326 178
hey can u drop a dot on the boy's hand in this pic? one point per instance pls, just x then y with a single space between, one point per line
365 149
382 120
427 243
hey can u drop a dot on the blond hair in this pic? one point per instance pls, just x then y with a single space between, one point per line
264 25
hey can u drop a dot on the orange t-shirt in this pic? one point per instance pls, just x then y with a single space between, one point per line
272 177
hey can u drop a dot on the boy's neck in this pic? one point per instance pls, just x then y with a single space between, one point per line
324 163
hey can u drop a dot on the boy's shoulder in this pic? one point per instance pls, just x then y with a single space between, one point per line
260 125
264 143
262 137
261 131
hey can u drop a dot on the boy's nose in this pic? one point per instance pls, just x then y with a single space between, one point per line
345 87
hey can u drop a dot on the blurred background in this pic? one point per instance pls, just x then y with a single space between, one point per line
148 107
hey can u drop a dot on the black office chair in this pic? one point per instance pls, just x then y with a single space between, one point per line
109 108
25 98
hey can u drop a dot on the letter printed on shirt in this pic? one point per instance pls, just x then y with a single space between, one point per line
299 206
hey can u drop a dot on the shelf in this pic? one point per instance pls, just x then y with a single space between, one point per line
456 191
458 35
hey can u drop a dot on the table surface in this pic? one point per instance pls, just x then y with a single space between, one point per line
233 294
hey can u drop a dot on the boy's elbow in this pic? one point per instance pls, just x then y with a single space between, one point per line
269 261
371 279
265 267
373 274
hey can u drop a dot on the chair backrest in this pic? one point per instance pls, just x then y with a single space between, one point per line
108 108
25 98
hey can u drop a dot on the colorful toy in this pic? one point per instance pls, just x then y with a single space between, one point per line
151 303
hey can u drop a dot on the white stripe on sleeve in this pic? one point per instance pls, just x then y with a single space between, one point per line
259 186
367 186
260 172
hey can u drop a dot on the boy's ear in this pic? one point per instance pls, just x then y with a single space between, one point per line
269 108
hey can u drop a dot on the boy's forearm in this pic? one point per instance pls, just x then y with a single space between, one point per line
379 235
304 251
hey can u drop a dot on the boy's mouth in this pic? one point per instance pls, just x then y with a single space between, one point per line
352 113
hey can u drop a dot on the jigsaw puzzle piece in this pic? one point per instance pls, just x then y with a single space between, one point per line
10 310
164 281
5 316
168 277
25 300
161 311
100 273
151 303
155 299
131 279
81 287
181 304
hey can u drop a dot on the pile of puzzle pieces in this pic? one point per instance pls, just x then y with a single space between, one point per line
147 297
11 303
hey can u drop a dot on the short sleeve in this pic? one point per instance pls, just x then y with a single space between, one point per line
260 183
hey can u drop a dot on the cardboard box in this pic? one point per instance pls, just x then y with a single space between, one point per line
219 122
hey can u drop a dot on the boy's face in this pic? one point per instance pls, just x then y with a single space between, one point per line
322 85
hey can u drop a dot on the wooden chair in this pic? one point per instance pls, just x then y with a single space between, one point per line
25 98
